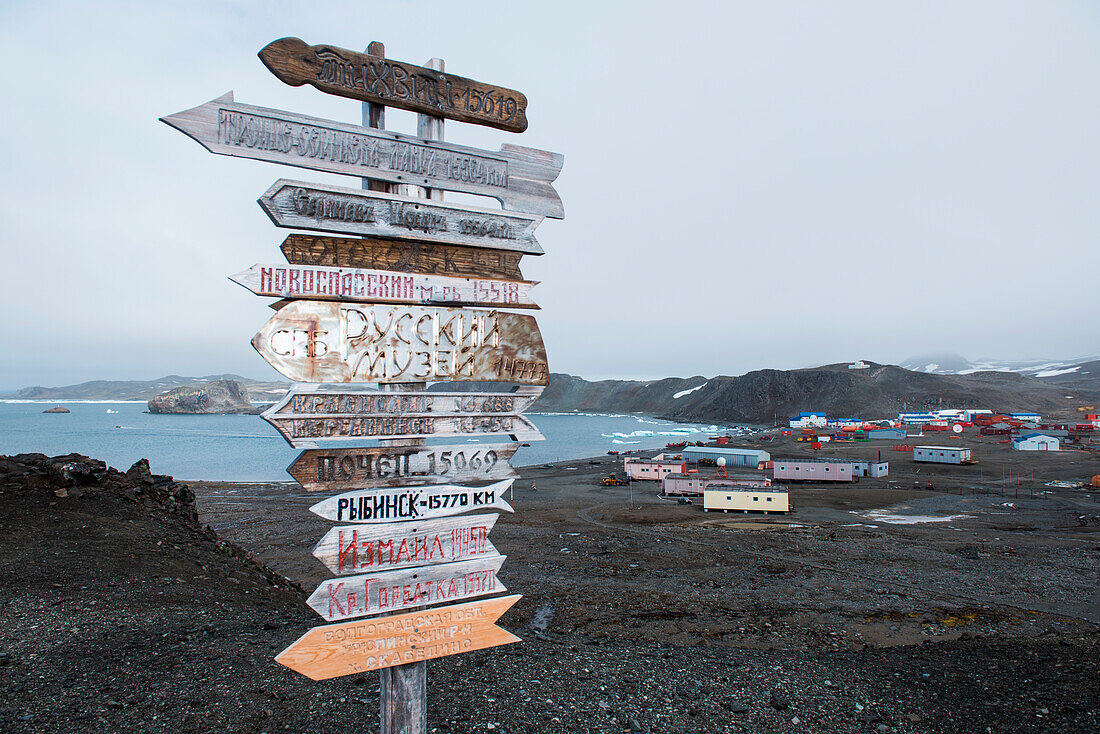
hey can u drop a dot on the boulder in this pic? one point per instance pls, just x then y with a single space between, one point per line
217 396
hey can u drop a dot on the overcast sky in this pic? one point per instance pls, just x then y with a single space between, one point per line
746 184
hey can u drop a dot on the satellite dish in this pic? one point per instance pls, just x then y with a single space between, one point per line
957 428
721 461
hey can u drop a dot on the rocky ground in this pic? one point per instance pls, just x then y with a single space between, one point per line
123 613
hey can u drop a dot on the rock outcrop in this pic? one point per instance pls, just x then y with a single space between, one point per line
219 396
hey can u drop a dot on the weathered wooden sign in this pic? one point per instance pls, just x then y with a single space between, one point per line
389 591
381 286
348 549
409 256
330 651
328 341
305 416
323 208
520 178
333 470
413 503
395 84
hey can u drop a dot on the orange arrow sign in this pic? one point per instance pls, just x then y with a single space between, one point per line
333 650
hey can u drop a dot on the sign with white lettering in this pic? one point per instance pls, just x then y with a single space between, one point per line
323 208
332 650
348 597
306 416
412 503
381 286
520 178
392 83
349 549
338 469
327 341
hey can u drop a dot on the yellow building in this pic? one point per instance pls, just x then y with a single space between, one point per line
746 499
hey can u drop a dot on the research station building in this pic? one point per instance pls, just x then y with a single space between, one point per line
744 458
941 454
812 470
746 499
1037 442
679 485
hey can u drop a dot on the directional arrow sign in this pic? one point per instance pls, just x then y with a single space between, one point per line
380 286
316 341
390 591
305 416
333 650
405 256
322 208
412 503
348 549
395 84
333 470
520 178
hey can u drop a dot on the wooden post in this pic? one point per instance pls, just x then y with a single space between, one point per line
403 701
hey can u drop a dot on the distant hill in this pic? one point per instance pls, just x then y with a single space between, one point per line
762 396
145 389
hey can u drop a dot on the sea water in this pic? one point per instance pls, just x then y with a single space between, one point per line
245 448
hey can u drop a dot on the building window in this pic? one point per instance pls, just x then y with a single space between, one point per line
769 499
755 499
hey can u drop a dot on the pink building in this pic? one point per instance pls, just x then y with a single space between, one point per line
813 470
656 469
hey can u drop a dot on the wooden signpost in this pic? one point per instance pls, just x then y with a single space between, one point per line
338 469
349 549
406 256
412 503
395 84
323 208
347 648
381 286
318 341
520 178
305 416
347 597
373 309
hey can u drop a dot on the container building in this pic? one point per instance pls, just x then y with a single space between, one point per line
1026 417
889 434
1036 442
941 454
745 458
746 499
655 469
675 485
870 468
813 470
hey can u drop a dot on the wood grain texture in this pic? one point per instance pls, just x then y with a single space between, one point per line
348 597
398 504
366 285
406 256
305 416
330 651
395 84
520 178
319 341
338 469
349 549
339 210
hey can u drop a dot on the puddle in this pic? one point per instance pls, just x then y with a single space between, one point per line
896 519
541 621
756 525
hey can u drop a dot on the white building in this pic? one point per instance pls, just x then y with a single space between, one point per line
915 418
870 468
810 419
969 415
1036 442
941 454
859 365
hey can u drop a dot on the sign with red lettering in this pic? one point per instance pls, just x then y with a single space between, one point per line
334 341
390 591
413 503
305 417
381 286
333 650
349 549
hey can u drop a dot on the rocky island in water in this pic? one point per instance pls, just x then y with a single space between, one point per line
218 396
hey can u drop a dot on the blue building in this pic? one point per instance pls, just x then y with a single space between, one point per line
749 458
